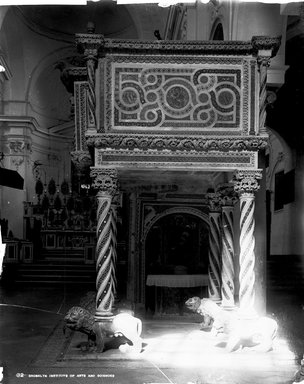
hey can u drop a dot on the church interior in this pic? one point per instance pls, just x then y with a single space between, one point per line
150 153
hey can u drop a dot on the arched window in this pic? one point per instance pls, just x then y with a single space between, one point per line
218 32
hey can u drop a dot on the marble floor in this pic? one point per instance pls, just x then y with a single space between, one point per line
175 351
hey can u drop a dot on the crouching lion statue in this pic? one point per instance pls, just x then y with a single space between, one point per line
123 325
256 332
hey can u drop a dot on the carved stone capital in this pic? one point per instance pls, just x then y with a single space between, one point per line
247 181
89 44
228 195
105 180
81 160
214 201
265 45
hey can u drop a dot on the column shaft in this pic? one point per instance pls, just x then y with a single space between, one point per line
104 252
214 288
105 180
246 183
227 257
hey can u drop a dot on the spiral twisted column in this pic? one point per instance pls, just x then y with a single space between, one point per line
246 184
114 207
214 269
228 200
105 180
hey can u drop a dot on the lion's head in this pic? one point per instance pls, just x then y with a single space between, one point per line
193 303
79 319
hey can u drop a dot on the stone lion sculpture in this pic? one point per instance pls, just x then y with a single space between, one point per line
257 332
123 325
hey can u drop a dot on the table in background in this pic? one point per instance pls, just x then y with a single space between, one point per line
175 281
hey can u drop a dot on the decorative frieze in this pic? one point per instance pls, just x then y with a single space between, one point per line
177 159
177 142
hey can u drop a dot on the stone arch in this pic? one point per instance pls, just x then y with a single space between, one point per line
169 211
217 30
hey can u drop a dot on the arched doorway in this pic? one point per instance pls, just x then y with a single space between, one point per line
176 244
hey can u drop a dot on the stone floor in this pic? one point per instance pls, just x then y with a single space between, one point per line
175 351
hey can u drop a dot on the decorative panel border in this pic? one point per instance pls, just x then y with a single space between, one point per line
178 94
178 160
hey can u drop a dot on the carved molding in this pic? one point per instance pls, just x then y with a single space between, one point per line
165 159
228 195
81 117
95 44
19 147
247 181
17 161
214 201
177 142
105 180
89 44
81 160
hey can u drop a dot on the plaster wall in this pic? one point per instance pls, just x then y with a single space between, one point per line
41 156
35 88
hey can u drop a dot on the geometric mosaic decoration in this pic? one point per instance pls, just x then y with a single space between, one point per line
162 96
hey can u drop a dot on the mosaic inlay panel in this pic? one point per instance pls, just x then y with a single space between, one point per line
186 96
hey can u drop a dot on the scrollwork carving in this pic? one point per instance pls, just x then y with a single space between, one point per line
123 141
81 160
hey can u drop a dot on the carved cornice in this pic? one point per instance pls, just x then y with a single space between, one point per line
177 142
95 44
247 181
266 43
105 180
175 47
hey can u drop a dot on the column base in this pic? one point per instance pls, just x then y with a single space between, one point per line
230 307
102 315
102 327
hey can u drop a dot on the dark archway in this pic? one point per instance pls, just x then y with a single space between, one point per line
176 244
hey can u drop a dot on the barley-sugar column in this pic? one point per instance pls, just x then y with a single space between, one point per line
228 199
105 180
246 184
214 271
